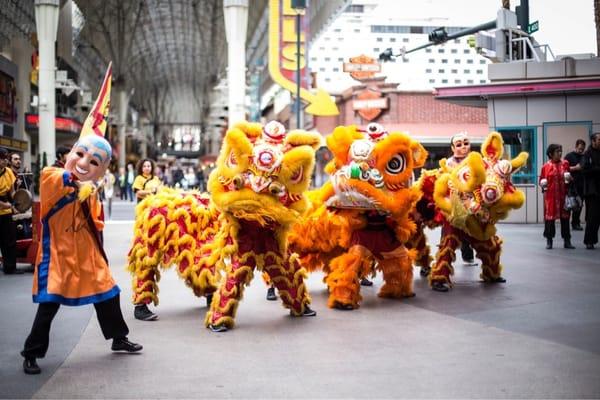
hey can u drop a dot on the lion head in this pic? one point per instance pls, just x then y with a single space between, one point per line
263 172
477 193
372 169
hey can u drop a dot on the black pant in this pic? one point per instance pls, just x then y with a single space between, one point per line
109 316
550 229
8 242
576 217
592 219
467 251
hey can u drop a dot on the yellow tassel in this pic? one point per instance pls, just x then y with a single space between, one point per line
85 191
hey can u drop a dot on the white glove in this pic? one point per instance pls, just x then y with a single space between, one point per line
544 182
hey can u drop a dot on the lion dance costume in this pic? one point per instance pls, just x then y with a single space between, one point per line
257 193
359 220
472 197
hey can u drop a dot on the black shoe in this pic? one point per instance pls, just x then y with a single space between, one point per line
568 244
469 262
143 313
439 287
30 366
589 246
344 307
209 298
548 244
366 282
14 272
218 328
498 280
308 312
577 228
123 344
425 271
271 296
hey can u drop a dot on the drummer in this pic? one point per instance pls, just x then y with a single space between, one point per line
8 229
15 164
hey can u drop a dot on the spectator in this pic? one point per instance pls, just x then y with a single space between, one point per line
129 181
122 184
554 181
576 188
591 191
15 164
108 185
146 183
61 156
8 229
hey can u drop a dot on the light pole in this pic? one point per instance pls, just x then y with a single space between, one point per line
46 21
299 6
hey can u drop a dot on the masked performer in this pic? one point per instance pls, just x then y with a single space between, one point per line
71 267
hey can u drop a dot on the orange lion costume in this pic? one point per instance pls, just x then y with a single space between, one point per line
257 192
473 197
359 220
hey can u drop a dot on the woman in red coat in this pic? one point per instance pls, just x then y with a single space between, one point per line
554 181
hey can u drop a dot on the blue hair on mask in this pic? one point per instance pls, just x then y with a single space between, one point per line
97 141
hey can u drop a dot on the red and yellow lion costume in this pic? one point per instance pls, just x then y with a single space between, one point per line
473 197
359 220
257 192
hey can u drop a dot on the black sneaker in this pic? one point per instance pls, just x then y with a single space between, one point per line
143 313
123 344
271 296
365 282
218 328
577 228
30 366
425 271
308 312
439 287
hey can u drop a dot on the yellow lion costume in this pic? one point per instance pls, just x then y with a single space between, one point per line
359 220
472 197
256 195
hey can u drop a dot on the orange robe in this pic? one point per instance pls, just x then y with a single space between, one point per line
70 268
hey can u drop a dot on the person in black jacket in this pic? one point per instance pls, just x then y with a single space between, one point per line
591 191
576 188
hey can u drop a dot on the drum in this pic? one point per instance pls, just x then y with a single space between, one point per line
22 200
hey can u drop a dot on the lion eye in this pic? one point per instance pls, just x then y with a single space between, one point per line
464 174
231 160
396 164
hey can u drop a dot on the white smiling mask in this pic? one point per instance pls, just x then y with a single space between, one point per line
89 158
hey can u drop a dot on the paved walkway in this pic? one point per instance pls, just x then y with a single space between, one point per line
534 337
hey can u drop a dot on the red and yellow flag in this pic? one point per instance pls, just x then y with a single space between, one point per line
96 121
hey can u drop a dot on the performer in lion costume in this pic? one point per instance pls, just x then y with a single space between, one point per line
256 194
359 220
473 197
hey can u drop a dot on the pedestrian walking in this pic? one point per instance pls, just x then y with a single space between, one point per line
591 191
576 187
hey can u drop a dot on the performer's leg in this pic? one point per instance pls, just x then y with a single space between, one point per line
418 241
397 274
143 265
442 268
488 251
565 233
36 344
224 305
271 296
466 252
288 277
343 279
111 319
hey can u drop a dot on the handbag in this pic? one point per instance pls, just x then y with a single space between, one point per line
572 201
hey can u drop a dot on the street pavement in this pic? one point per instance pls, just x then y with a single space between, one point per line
534 337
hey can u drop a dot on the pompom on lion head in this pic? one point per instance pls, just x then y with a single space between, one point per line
263 172
373 169
477 193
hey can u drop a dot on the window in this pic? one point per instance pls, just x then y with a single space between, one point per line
336 70
340 39
392 39
517 140
327 38
357 31
481 61
322 69
341 59
469 61
327 79
321 48
431 61
467 71
444 61
454 71
441 51
441 71
404 40
444 80
416 29
453 51
428 71
457 81
313 59
470 81
376 49
480 71
466 51
335 48
327 59
355 8
428 50
432 81
337 30
380 39
456 40
457 61
482 81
